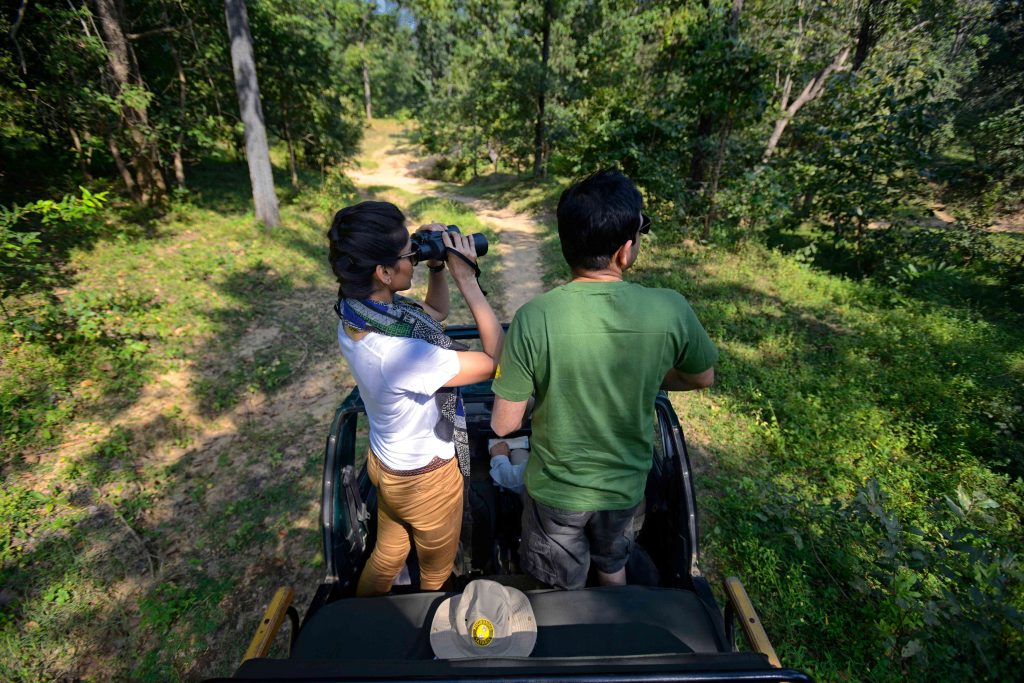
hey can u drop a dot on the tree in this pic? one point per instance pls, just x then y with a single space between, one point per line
256 150
538 140
132 96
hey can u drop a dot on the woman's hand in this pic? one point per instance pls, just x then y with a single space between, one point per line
464 244
433 227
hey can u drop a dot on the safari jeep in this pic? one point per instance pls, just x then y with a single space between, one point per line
664 626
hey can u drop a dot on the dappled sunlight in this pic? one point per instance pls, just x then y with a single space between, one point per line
152 473
185 488
823 386
835 187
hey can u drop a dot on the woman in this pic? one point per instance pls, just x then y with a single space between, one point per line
407 371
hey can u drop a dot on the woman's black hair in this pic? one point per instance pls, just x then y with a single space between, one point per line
363 236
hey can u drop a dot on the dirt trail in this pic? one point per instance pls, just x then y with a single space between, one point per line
393 162
208 464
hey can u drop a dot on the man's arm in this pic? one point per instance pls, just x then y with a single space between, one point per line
507 416
681 381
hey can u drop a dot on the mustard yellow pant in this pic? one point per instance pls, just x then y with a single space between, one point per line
427 508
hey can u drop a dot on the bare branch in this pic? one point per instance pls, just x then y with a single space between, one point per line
811 91
152 32
734 17
13 34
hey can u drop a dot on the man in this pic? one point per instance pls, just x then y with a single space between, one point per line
594 352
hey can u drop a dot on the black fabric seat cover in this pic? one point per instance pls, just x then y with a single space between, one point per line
606 622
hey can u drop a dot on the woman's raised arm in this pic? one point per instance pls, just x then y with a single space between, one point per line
474 366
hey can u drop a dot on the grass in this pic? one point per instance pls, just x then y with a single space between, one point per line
518 193
859 461
163 414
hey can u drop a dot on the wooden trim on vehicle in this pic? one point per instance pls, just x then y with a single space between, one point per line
753 631
270 624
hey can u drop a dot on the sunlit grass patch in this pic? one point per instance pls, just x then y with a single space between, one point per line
119 422
520 193
826 385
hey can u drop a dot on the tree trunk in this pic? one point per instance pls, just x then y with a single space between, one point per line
716 173
83 162
292 166
367 98
179 163
364 32
705 127
866 35
545 49
12 35
256 151
122 168
493 154
734 18
711 190
125 74
698 160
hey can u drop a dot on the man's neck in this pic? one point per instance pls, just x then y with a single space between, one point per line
603 275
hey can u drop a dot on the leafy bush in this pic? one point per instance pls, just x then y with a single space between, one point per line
32 234
946 598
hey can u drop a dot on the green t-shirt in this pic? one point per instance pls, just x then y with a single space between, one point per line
594 354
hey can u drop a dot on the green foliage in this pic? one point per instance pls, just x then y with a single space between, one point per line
165 609
840 423
943 590
864 173
106 517
34 234
303 104
989 122
68 118
21 511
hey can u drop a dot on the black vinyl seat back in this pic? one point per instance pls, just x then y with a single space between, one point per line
593 622
632 633
671 533
344 516
348 520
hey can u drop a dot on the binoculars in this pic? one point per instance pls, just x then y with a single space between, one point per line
428 246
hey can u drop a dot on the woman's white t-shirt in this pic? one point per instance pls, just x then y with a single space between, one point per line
397 379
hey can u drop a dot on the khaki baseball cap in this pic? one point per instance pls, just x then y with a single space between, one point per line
487 620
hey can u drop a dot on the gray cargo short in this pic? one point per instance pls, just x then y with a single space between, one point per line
559 545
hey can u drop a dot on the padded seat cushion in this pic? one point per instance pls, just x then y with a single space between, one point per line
628 620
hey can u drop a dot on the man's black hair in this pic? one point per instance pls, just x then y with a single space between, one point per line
363 236
596 216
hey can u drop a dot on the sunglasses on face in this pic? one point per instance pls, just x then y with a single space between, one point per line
645 223
413 258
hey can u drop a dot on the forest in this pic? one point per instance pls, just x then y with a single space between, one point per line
837 187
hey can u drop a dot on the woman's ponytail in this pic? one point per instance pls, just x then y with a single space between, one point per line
361 237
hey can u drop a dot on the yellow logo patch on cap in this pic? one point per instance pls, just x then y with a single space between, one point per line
482 632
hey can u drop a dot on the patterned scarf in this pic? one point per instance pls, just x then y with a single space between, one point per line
405 318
